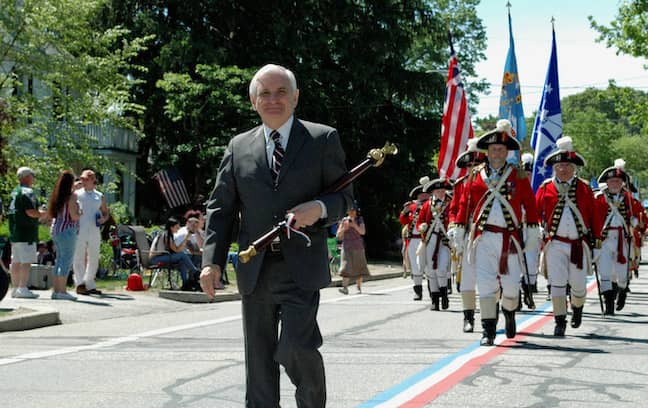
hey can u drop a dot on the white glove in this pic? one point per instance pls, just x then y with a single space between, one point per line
458 238
422 228
532 239
634 222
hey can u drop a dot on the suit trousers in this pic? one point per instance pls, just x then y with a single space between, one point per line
277 299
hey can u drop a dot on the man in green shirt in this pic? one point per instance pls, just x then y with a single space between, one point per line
23 217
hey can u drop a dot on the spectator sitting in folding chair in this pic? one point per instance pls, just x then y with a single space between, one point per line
165 249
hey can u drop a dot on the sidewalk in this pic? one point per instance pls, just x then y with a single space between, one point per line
33 313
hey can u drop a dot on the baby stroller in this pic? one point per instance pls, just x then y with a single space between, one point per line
125 254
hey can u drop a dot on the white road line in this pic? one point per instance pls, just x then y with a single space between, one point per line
154 333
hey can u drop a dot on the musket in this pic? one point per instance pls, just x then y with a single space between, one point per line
374 158
528 293
598 284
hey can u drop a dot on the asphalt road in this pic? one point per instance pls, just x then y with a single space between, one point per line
381 349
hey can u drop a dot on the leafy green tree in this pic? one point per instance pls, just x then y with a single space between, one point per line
58 74
374 70
627 32
605 127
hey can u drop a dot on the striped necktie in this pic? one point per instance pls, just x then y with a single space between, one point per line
277 155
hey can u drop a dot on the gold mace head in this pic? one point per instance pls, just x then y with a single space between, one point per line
245 255
378 155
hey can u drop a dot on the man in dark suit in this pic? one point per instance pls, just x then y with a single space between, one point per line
266 173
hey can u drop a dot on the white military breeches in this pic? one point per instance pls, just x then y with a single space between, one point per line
561 271
417 273
437 277
488 251
609 269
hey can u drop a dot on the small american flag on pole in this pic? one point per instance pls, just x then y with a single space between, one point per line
172 187
456 128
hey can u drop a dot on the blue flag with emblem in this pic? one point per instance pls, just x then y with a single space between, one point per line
548 123
510 98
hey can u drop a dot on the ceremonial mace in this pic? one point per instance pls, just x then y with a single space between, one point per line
375 158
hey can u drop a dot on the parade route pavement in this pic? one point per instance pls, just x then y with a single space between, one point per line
381 349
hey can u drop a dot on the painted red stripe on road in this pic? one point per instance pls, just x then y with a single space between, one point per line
475 364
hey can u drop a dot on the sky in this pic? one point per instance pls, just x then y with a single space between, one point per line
582 62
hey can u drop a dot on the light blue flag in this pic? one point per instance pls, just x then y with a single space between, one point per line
511 98
548 122
594 183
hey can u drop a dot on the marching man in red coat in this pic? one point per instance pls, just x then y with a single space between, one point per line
567 214
637 240
498 194
434 252
409 219
465 273
617 219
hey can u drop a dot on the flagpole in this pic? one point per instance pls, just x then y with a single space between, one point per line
510 106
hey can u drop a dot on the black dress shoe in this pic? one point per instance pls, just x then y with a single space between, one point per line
94 292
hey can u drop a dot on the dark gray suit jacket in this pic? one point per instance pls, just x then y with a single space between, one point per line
245 193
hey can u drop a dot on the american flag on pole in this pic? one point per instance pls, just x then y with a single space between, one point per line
548 123
172 187
456 128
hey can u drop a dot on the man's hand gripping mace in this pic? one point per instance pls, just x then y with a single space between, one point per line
375 158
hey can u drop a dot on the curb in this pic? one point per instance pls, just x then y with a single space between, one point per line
30 319
200 297
337 281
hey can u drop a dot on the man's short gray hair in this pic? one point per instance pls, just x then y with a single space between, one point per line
270 68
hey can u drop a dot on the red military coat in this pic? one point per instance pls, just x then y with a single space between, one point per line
425 216
639 212
457 191
601 211
547 199
518 193
408 217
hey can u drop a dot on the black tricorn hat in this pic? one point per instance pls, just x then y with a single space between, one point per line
500 135
471 156
419 189
564 153
436 184
618 170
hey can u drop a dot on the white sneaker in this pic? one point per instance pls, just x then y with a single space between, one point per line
24 293
63 296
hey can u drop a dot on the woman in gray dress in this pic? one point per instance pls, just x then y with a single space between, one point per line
353 263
